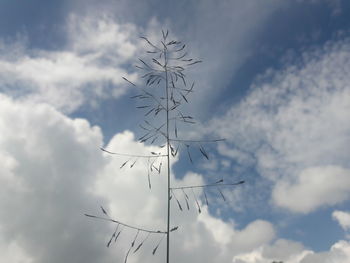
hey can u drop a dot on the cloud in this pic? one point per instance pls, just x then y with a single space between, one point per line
283 250
89 67
52 173
293 252
339 252
222 34
293 124
207 237
48 161
343 218
312 188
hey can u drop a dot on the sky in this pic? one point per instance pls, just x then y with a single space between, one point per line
274 83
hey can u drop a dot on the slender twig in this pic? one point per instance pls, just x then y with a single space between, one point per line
134 155
206 185
126 225
195 141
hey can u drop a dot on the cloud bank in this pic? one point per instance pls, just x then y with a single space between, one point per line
53 173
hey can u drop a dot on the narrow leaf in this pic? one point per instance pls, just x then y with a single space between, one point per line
142 127
174 229
149 42
103 211
90 215
188 152
109 242
206 199
133 242
150 111
222 195
220 181
127 255
124 164
129 81
143 62
203 152
160 167
132 165
116 237
154 139
177 149
113 236
198 61
195 198
149 180
177 201
185 194
155 249
187 204
140 245
175 130
181 48
183 96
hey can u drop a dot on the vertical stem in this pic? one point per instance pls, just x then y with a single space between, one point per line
168 156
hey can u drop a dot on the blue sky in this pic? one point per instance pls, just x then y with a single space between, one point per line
274 83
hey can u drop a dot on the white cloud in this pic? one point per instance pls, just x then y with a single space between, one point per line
203 235
91 66
339 252
312 188
293 252
48 162
293 123
343 218
53 172
12 252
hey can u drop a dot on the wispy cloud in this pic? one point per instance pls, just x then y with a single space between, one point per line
294 124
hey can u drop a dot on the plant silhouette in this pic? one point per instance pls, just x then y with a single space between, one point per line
164 90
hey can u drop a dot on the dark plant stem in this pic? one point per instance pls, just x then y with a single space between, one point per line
168 151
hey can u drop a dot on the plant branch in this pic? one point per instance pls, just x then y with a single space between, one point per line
134 155
126 225
205 185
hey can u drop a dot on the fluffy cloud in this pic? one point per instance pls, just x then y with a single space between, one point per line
203 235
281 250
48 162
91 65
343 219
294 127
315 186
53 172
339 252
293 252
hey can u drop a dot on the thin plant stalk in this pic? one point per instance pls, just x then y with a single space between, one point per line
168 155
